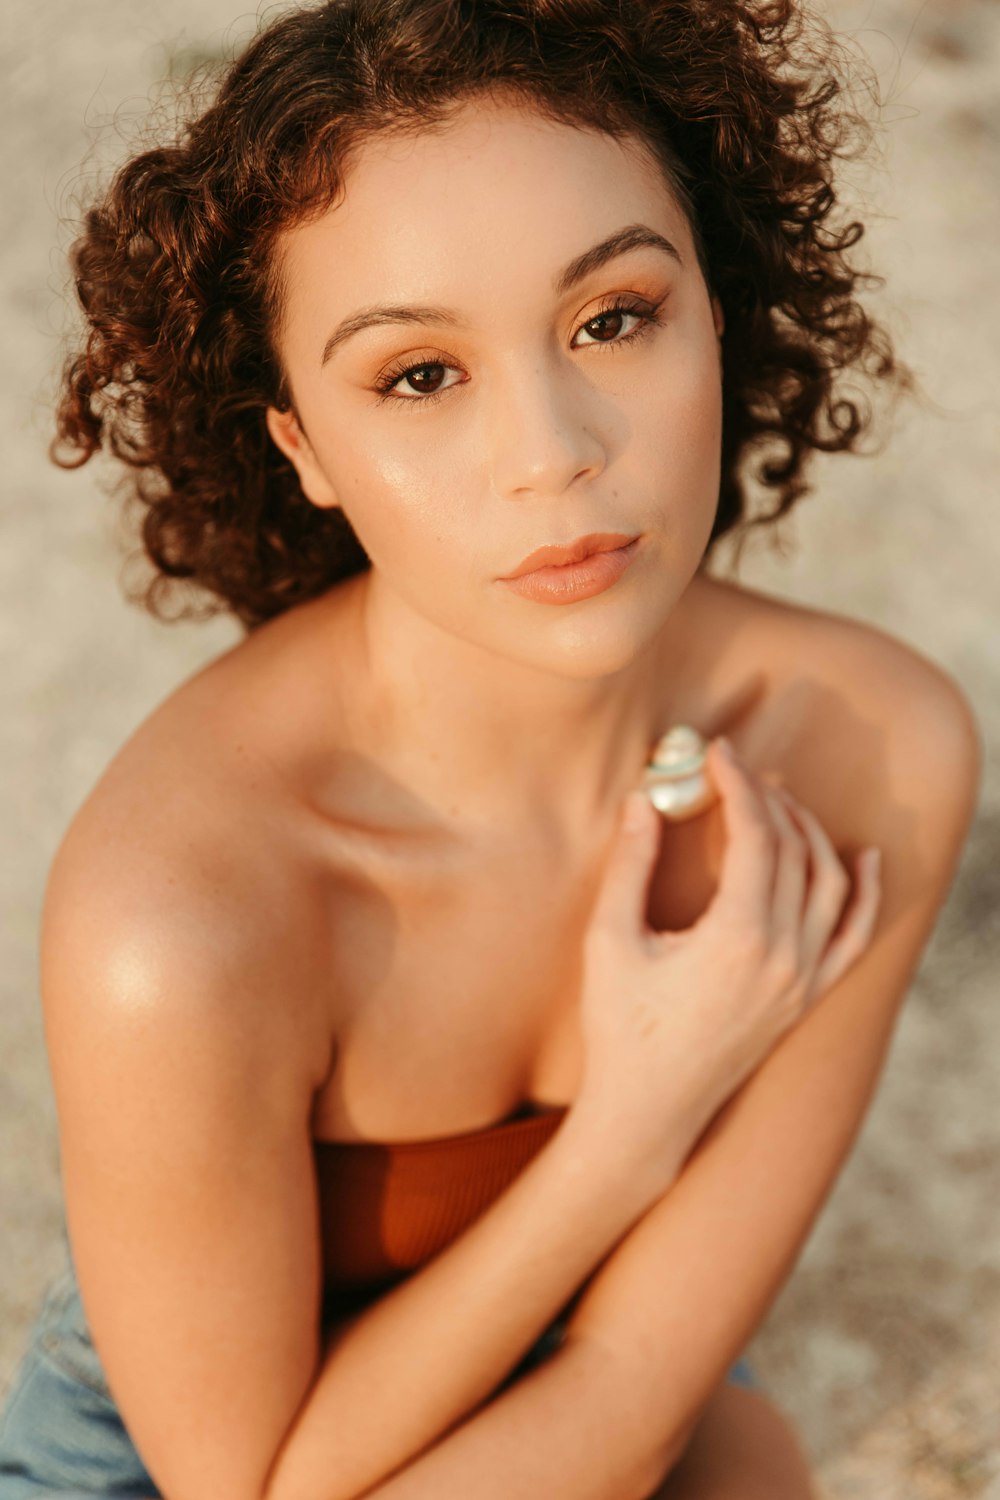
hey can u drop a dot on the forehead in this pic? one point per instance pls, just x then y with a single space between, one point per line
498 131
499 187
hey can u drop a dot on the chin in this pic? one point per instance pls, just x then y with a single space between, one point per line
592 644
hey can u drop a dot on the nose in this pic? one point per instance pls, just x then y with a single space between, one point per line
542 436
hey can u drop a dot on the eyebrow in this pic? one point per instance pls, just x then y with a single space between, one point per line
632 237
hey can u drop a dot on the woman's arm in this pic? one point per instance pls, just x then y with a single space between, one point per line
412 1366
560 1432
688 1286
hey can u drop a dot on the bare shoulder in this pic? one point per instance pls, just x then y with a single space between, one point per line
867 730
179 887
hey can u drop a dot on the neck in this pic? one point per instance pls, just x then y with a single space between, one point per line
490 742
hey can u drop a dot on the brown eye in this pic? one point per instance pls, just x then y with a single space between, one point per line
609 323
416 375
616 314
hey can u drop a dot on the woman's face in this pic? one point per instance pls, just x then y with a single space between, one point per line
532 413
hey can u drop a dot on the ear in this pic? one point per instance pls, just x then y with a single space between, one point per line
287 435
718 317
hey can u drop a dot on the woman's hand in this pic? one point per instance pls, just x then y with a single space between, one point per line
675 1022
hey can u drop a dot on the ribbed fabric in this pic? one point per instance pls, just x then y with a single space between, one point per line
386 1207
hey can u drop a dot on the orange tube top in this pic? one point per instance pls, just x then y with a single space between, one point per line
386 1207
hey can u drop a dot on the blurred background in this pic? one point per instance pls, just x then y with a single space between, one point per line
885 1344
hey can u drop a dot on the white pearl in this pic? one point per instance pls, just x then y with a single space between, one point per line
678 744
674 779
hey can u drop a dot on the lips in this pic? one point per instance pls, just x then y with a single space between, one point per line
584 546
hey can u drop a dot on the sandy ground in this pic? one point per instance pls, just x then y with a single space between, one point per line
885 1344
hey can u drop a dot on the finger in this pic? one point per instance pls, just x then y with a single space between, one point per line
828 890
791 876
623 892
858 927
746 875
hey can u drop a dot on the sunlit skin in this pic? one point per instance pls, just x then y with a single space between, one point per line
362 878
525 423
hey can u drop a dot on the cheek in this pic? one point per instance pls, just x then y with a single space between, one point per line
397 510
683 417
682 451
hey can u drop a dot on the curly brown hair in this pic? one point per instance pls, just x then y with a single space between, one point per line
742 105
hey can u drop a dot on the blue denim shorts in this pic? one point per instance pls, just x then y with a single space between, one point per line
61 1434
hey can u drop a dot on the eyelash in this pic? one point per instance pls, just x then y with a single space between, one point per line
648 316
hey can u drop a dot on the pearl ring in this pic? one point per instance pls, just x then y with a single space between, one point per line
674 778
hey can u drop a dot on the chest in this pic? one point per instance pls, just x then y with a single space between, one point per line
463 993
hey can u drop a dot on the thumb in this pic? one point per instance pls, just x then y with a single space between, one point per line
620 906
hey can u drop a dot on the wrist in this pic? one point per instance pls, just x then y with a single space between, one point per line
615 1149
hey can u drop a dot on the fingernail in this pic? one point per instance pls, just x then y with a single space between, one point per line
634 815
873 854
726 747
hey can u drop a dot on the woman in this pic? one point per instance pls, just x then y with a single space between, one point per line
428 1127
